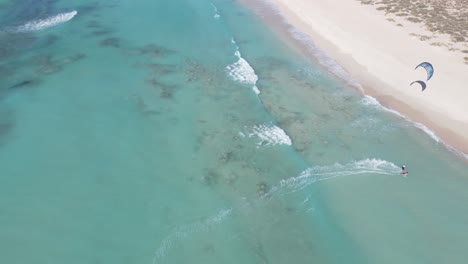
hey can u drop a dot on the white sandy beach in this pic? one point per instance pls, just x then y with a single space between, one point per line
382 57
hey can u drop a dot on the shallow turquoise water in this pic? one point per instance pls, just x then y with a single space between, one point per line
131 134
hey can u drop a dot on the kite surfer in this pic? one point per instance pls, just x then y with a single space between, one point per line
403 170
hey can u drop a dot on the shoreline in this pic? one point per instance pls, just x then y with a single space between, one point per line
379 62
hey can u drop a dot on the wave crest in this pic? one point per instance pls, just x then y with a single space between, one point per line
269 134
242 71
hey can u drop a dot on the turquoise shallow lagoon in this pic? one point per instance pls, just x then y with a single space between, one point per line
187 132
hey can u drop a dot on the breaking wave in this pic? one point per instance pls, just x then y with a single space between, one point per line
372 102
41 24
268 135
242 71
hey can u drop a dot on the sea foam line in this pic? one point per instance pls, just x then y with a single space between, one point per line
339 71
41 24
371 101
242 71
330 64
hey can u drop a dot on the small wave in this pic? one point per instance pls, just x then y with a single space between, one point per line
371 101
256 90
44 23
323 173
187 230
427 131
368 122
269 135
216 15
242 71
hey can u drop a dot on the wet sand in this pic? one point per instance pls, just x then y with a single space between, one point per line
379 46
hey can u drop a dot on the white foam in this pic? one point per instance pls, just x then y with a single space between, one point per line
242 71
371 101
339 71
185 231
461 154
322 173
216 15
44 23
269 134
256 90
218 218
368 123
427 131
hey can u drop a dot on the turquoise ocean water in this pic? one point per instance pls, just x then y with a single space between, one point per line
134 132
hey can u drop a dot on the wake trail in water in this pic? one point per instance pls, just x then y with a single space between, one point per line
322 173
41 24
184 231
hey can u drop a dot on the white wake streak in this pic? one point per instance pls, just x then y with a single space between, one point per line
41 24
323 173
185 231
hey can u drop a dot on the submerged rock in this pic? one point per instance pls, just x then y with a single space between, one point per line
75 58
111 42
7 124
155 50
262 188
24 83
210 177
101 32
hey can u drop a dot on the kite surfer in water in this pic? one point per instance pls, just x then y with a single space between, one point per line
403 170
